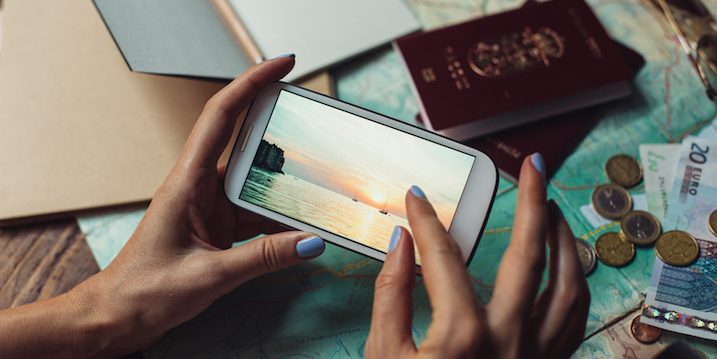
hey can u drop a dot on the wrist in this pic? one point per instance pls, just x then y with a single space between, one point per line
99 329
92 328
72 325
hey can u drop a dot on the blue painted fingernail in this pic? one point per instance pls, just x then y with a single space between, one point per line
418 192
395 236
310 247
282 56
537 160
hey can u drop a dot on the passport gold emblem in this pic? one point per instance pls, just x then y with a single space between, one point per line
428 75
515 52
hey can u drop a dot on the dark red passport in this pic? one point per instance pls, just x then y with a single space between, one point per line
508 69
555 138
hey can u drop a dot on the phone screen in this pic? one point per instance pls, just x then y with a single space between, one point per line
349 175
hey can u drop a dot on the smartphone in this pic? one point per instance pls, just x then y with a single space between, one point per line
324 166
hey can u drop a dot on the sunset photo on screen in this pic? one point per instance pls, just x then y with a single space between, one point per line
348 175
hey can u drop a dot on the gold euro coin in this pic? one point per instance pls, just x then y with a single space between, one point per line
623 170
611 201
614 250
712 222
677 248
586 253
640 227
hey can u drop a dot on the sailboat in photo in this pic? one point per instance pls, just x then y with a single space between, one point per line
383 208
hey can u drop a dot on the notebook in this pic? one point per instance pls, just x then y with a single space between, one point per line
189 37
79 130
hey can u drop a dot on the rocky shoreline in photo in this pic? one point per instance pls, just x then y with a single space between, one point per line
269 157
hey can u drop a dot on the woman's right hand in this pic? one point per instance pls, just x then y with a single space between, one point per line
516 322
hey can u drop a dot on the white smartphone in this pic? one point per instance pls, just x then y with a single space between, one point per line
324 166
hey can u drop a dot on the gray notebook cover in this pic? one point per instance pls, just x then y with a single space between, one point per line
188 37
173 37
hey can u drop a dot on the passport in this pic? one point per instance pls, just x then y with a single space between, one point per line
509 148
511 68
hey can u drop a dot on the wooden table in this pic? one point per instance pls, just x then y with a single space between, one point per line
41 261
44 260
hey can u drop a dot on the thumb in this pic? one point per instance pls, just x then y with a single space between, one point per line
269 254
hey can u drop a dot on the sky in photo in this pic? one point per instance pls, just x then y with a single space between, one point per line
363 159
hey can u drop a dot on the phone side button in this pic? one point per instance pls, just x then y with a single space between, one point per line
246 138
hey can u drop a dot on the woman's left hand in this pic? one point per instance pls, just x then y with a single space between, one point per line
179 260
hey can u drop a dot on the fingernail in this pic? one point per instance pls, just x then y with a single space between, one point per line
310 247
553 206
282 56
418 192
537 160
395 236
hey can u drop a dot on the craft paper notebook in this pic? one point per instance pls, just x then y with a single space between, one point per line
511 68
79 130
189 37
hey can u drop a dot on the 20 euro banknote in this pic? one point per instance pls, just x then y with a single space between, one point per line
658 166
684 299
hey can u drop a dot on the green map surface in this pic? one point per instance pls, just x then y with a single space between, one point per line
322 309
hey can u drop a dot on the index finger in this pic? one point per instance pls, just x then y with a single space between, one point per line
213 129
443 267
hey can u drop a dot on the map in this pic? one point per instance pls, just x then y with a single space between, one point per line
322 309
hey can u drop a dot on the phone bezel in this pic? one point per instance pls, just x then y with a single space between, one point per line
471 215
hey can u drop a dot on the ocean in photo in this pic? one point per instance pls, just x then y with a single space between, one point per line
320 207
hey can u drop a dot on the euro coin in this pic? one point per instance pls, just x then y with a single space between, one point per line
712 222
640 227
611 201
586 253
644 333
614 250
677 248
623 170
